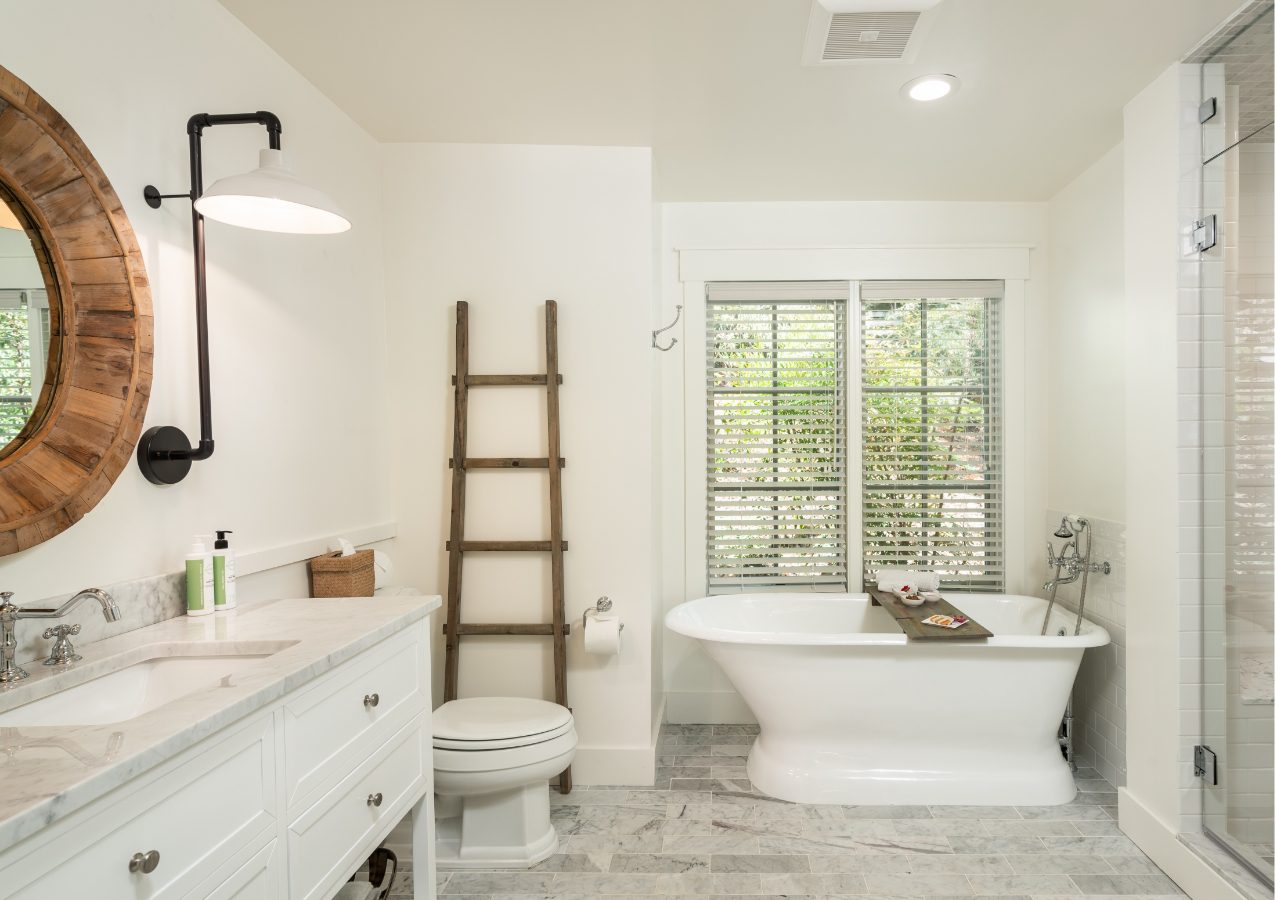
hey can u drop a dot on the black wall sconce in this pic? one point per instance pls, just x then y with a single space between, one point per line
269 198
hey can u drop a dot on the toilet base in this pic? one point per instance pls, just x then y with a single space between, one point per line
501 830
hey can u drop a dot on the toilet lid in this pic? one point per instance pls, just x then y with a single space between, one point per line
504 721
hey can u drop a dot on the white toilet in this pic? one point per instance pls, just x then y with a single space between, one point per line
493 758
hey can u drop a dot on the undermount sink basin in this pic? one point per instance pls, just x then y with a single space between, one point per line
137 689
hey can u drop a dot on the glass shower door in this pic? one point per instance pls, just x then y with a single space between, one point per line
1237 343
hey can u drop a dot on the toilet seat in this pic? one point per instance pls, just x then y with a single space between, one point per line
498 723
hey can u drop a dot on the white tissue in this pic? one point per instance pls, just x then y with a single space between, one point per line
384 568
346 548
602 635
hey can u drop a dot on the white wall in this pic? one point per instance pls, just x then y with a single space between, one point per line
1086 465
1086 342
1151 175
297 323
18 268
1151 283
506 228
696 689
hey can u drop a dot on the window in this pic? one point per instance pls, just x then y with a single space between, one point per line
932 435
777 510
928 432
24 337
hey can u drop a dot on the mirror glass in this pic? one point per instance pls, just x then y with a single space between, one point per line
27 325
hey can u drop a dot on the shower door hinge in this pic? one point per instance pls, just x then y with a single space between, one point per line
1204 234
1208 109
1205 764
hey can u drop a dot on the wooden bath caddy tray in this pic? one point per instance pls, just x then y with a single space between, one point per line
908 618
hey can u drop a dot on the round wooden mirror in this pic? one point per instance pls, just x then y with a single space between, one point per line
88 337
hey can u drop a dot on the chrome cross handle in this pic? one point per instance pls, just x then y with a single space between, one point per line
62 653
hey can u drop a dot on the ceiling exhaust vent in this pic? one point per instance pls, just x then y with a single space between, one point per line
858 31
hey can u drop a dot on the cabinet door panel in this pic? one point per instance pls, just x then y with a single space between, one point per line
326 843
331 727
261 878
194 815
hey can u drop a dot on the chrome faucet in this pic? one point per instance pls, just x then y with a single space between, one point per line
1071 560
62 651
1074 562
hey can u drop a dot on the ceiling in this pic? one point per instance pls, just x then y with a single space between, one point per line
717 87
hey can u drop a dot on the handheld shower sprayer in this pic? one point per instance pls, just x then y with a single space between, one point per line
1074 562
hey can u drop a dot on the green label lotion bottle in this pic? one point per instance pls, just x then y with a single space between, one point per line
199 581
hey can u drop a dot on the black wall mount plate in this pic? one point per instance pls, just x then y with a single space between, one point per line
152 452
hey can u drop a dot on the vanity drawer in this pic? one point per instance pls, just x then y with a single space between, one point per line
262 877
194 814
328 841
332 726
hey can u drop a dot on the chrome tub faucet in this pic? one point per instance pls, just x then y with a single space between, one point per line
62 652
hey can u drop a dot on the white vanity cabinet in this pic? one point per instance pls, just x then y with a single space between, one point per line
286 802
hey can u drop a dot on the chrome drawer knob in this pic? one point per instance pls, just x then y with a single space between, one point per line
144 862
374 799
371 700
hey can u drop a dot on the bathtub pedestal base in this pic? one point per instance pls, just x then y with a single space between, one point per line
936 776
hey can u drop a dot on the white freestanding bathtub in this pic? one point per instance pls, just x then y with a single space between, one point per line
852 712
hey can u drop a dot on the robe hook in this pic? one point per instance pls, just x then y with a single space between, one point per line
655 334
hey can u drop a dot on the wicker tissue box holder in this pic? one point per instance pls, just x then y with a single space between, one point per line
334 575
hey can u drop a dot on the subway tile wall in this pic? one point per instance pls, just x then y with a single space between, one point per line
1098 697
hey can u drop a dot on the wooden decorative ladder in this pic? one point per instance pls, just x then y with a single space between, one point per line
457 547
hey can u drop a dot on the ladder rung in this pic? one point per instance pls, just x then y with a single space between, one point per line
519 546
507 462
536 630
505 380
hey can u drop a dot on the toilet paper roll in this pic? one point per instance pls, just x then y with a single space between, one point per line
602 635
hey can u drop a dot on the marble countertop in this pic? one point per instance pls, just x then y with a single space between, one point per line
49 772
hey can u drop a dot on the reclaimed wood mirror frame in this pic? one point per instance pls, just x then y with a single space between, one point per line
89 416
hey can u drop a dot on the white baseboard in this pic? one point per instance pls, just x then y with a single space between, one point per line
614 765
707 708
1160 842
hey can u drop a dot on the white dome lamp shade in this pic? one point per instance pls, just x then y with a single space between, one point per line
269 198
272 198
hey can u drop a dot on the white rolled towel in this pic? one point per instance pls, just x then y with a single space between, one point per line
893 579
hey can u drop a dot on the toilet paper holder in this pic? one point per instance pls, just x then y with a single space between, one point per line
604 604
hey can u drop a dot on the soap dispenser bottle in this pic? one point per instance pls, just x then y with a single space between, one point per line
199 580
223 573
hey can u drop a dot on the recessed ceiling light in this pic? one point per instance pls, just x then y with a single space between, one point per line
930 87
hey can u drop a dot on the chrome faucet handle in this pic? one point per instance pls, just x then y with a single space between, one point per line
62 653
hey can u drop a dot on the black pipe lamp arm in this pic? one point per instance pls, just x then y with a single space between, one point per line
279 201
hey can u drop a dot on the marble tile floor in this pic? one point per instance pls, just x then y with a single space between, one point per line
703 832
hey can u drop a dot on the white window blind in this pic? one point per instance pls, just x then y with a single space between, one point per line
933 473
776 435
